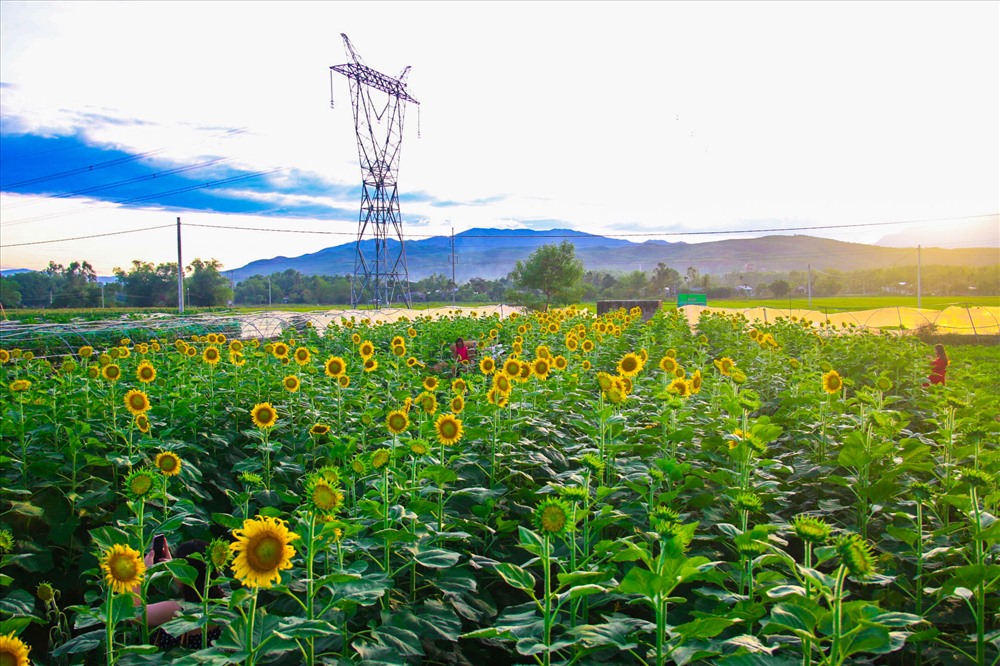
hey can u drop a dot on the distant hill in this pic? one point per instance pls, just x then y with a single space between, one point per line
491 254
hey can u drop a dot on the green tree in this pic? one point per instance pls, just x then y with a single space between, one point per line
35 288
551 270
10 293
146 285
78 287
207 286
780 288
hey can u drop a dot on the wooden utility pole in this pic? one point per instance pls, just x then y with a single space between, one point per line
180 272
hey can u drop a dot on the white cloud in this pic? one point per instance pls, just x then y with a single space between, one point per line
611 116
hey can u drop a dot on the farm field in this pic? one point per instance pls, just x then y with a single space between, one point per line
589 490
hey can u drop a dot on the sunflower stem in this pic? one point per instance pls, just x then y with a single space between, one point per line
251 660
109 628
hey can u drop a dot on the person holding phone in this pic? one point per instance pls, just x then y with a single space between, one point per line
161 612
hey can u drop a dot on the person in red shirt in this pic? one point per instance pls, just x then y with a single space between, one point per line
461 354
938 365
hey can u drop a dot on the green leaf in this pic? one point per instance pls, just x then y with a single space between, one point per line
707 627
642 581
577 577
436 558
515 576
585 590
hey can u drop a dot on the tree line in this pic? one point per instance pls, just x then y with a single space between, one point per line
551 275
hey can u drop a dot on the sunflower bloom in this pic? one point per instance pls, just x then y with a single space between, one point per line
668 364
19 385
371 365
457 404
319 429
211 355
137 402
343 381
449 428
397 421
112 372
629 365
123 568
487 366
335 366
139 484
430 383
553 517
540 368
145 373
142 423
280 350
832 382
291 383
168 462
302 356
264 415
262 551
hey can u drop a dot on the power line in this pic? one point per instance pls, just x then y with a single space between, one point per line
112 233
125 202
73 172
108 186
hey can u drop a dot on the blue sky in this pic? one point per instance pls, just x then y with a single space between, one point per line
610 118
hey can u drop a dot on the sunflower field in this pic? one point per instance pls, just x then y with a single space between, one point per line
588 490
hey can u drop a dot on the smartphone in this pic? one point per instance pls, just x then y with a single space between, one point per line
159 548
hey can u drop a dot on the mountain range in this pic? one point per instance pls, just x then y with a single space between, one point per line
492 253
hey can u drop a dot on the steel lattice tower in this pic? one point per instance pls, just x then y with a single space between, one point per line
379 102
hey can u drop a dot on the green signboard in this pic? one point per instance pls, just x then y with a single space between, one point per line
691 299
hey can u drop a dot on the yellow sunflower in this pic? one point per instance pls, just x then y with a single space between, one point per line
525 372
629 365
264 415
668 364
302 356
412 332
145 373
262 551
449 428
85 351
586 364
427 401
111 372
572 342
457 404
366 349
501 382
142 423
398 341
137 402
725 365
587 346
211 355
680 387
560 362
319 429
168 462
430 383
371 365
291 383
335 366
495 397
399 351
540 368
123 568
512 367
459 386
696 381
397 421
832 382
541 351
236 347
19 385
191 351
343 381
487 366
280 350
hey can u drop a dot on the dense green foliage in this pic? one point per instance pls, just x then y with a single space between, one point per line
750 506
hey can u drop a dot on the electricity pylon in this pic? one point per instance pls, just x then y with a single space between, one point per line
379 102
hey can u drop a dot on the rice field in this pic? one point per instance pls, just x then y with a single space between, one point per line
587 490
